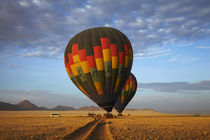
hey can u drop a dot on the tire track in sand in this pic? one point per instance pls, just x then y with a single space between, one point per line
94 130
101 132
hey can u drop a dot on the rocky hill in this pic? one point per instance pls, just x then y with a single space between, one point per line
8 106
63 108
90 108
26 105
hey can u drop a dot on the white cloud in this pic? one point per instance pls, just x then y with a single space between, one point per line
14 66
189 59
146 23
37 2
138 23
24 3
152 53
55 51
120 23
35 53
175 19
181 59
195 87
203 47
108 25
174 58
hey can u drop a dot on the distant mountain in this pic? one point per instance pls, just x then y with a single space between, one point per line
43 108
27 105
145 109
141 109
203 112
8 106
89 108
63 108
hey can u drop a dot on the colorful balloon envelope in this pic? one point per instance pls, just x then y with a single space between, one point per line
98 61
127 93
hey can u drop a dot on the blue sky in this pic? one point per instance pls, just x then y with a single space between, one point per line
170 40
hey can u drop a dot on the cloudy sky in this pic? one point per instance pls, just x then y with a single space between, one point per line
170 40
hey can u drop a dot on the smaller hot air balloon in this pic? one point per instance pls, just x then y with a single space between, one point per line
127 93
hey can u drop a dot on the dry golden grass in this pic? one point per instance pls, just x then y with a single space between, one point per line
162 127
18 125
144 124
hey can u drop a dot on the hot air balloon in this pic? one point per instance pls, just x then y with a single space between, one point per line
127 93
98 61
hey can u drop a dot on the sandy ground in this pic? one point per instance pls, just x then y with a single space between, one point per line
81 132
97 129
99 132
38 125
161 127
144 124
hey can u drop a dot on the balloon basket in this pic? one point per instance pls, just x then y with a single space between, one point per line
108 115
119 114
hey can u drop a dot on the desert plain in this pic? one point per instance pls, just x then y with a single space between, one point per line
134 124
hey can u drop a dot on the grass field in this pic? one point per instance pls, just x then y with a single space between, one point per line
161 127
139 125
38 124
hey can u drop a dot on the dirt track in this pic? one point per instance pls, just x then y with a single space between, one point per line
91 131
99 132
